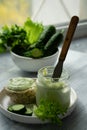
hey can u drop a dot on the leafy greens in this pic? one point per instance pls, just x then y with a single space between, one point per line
23 36
32 39
50 111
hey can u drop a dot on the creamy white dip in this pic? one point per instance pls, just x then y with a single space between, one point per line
20 83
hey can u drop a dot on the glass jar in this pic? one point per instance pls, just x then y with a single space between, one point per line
55 90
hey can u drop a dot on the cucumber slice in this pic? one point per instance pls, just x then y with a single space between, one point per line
17 108
10 108
34 53
28 112
21 109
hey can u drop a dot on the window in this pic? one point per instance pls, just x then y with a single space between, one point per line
14 11
57 12
46 11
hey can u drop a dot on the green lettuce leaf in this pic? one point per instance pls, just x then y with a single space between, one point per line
33 30
49 110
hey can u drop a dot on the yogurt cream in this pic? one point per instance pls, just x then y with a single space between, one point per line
51 90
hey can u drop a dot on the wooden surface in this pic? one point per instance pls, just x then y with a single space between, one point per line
76 65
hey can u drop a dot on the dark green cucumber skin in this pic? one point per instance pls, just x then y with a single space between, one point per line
10 108
45 36
54 41
52 45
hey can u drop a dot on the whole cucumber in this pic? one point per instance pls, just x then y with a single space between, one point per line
45 36
54 41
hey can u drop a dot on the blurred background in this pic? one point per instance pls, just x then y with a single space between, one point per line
57 12
45 11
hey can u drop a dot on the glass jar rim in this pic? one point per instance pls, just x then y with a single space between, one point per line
49 69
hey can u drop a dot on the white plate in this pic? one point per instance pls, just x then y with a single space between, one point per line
5 102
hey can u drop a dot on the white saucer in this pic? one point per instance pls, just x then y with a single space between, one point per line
5 102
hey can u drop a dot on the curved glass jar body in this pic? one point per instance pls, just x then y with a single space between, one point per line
52 90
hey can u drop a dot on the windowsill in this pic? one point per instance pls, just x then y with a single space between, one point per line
79 41
59 13
81 30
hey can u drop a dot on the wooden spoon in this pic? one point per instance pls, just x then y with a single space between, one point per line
72 27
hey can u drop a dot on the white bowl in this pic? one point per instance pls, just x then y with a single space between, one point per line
33 65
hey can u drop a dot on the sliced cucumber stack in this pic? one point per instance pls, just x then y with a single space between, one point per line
20 109
17 108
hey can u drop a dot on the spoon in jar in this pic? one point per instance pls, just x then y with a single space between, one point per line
72 27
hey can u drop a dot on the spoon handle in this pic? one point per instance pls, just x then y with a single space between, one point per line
72 26
68 38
